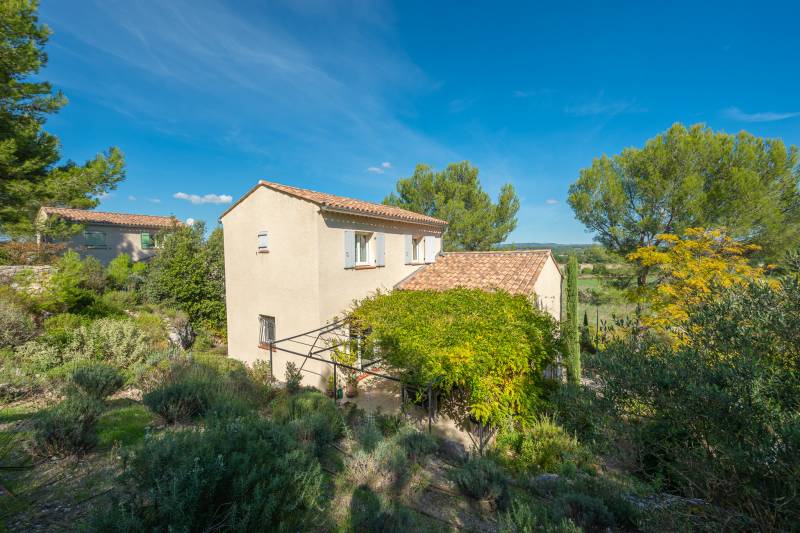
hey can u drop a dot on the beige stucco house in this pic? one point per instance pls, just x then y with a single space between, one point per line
295 259
106 235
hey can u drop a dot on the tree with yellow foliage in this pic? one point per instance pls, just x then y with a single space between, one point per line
691 268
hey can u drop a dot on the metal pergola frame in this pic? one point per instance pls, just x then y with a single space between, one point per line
315 353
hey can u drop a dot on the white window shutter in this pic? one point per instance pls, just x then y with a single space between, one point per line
380 249
349 248
263 243
409 251
430 249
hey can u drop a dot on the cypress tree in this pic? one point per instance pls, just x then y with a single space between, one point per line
571 331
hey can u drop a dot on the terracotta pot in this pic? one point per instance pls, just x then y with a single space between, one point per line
352 389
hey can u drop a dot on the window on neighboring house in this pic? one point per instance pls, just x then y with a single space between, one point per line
95 239
266 329
148 240
263 243
362 248
417 249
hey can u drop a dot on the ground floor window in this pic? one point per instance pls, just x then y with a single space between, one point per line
95 239
362 248
148 240
266 329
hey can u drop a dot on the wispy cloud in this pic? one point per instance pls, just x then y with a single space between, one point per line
154 200
734 113
381 169
600 106
551 201
532 93
132 198
204 199
460 104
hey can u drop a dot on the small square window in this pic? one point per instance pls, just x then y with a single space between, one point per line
94 239
263 242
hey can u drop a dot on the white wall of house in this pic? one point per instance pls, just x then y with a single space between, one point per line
301 278
548 288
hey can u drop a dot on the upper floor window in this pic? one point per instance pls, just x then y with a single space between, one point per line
263 241
148 240
95 239
417 249
362 248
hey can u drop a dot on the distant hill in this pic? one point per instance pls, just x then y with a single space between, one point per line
543 245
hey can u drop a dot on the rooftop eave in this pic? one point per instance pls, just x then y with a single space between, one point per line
353 212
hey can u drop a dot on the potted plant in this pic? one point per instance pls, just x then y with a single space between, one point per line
352 385
330 390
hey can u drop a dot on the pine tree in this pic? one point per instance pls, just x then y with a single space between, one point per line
571 331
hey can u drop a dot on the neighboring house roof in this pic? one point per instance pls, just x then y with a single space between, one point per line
331 202
86 216
514 272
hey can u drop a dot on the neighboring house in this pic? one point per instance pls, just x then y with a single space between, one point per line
106 235
295 259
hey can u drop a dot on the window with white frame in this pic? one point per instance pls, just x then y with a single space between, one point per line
266 332
362 248
263 241
417 249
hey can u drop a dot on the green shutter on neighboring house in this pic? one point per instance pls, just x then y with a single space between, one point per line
147 241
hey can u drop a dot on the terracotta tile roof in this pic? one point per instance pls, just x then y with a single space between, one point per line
86 216
351 205
515 272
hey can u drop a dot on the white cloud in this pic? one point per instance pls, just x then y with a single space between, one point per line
600 106
381 169
154 200
190 221
205 199
551 201
734 113
132 198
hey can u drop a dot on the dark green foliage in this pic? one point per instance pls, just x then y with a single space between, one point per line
69 427
455 195
181 400
311 416
581 412
97 380
692 177
717 417
481 478
416 444
586 511
570 329
245 474
371 514
29 155
294 377
188 273
388 423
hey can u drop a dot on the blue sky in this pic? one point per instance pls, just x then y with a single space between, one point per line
206 98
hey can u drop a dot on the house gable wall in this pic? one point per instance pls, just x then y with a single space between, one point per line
548 288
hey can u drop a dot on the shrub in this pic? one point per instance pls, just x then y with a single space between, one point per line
529 517
587 511
261 372
97 380
543 446
69 427
236 475
119 342
16 327
482 479
119 300
182 400
416 444
294 377
389 424
372 514
312 417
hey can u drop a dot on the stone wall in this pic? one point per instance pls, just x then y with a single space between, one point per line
40 274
